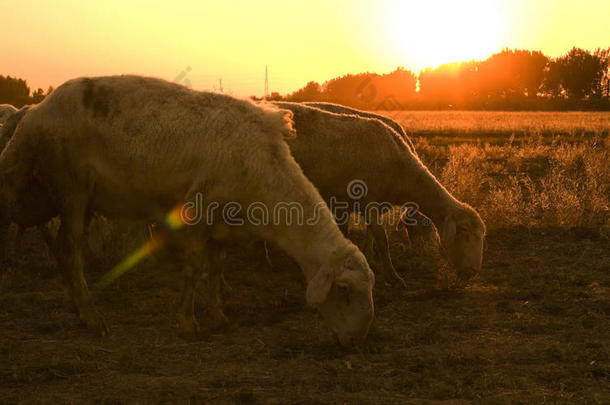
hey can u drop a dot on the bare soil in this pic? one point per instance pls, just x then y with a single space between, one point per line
532 328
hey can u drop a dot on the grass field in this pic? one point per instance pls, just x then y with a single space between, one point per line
490 123
532 328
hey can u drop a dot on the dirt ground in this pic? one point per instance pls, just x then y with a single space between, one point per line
532 328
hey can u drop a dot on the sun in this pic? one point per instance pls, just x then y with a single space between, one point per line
429 33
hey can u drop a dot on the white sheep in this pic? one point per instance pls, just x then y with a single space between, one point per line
334 149
341 109
9 123
6 110
376 238
137 147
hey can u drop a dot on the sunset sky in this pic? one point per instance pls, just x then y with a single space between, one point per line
48 42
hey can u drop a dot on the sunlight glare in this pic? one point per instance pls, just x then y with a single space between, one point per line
435 32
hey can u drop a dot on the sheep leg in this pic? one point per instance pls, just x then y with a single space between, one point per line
199 260
70 255
13 247
5 236
421 232
19 239
186 307
369 243
87 250
382 248
267 257
224 284
48 238
263 256
214 286
193 271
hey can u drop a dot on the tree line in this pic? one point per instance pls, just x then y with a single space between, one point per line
508 80
16 91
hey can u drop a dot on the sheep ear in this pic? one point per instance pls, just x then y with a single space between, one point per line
319 287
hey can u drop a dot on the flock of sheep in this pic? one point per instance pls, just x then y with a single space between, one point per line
135 148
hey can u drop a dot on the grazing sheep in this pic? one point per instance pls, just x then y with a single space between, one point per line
341 109
36 204
10 124
45 231
6 132
6 110
137 147
335 149
377 240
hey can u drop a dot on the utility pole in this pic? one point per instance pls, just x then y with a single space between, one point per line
266 93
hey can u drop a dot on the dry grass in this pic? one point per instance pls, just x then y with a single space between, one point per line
554 173
530 183
486 123
532 328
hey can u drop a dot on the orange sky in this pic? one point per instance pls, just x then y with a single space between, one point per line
48 42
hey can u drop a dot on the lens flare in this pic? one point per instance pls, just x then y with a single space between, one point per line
173 221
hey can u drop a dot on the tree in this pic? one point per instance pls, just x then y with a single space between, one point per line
37 96
355 90
399 85
581 72
14 91
552 80
510 79
449 85
362 90
275 96
531 71
311 92
512 74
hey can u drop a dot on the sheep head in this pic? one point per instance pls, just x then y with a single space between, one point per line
462 235
342 291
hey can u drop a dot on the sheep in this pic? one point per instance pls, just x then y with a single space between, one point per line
36 213
376 238
6 110
10 122
45 230
334 149
341 109
137 147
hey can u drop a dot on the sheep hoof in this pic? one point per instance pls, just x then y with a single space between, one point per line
218 320
396 277
95 322
226 287
466 275
399 284
189 329
402 282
